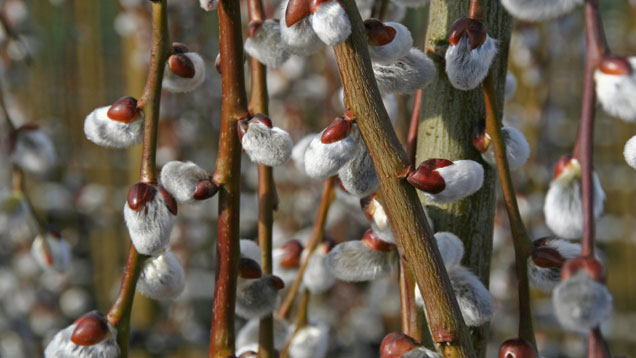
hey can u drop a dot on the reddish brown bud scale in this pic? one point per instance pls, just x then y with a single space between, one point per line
517 348
253 27
293 251
296 11
205 189
124 110
171 203
139 194
473 28
560 166
315 4
178 47
547 257
481 139
590 264
91 329
259 117
249 268
371 240
395 344
368 206
327 244
378 34
217 64
278 282
242 128
181 65
542 241
426 178
338 130
615 65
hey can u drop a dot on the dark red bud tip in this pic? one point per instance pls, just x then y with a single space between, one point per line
378 34
249 354
249 268
277 282
615 65
296 11
91 329
315 4
171 204
547 257
328 244
473 28
124 110
181 65
371 240
395 344
338 130
517 348
367 204
253 27
261 118
217 63
293 250
205 189
426 178
178 47
243 126
481 139
139 194
542 241
590 264
560 166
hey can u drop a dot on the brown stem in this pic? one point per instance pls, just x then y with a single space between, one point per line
227 173
411 322
411 139
413 235
316 237
596 346
475 11
302 319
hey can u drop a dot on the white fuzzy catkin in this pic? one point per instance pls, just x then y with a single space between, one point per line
178 84
300 38
546 279
247 336
62 347
324 160
511 86
517 149
412 3
580 303
269 146
617 93
421 352
463 178
467 67
539 10
33 151
353 261
106 132
181 178
208 5
563 206
162 277
150 226
380 223
450 247
310 341
59 250
318 278
630 152
255 297
406 75
330 23
251 250
398 48
266 45
298 153
358 175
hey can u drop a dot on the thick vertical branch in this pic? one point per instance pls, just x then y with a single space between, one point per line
227 175
413 235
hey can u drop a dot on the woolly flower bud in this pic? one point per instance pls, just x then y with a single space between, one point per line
388 42
539 10
324 160
330 22
187 182
184 72
149 213
517 147
615 86
466 67
162 277
399 345
563 206
580 303
265 44
51 252
450 247
118 126
354 261
374 211
247 336
89 337
286 260
310 341
298 153
257 297
406 75
31 150
299 36
358 175
208 5
251 250
517 348
630 152
444 181
265 145
544 265
318 277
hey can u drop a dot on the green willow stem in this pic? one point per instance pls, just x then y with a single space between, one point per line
414 237
227 175
120 311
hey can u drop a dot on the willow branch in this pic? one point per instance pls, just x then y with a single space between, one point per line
411 139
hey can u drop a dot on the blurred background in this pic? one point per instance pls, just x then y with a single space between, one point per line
60 59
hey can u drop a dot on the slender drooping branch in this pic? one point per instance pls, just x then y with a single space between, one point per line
119 313
414 237
317 236
227 176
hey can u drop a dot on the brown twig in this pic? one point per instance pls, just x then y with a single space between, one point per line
411 139
475 11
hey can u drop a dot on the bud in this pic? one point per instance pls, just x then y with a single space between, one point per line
354 261
444 181
517 147
257 297
544 270
286 260
299 35
265 44
298 153
51 252
89 336
406 75
450 247
118 126
630 152
310 341
324 160
395 345
358 174
330 22
161 277
265 145
615 86
31 150
318 278
187 182
247 336
208 5
517 348
563 206
388 42
250 250
184 72
379 220
539 10
149 213
338 130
